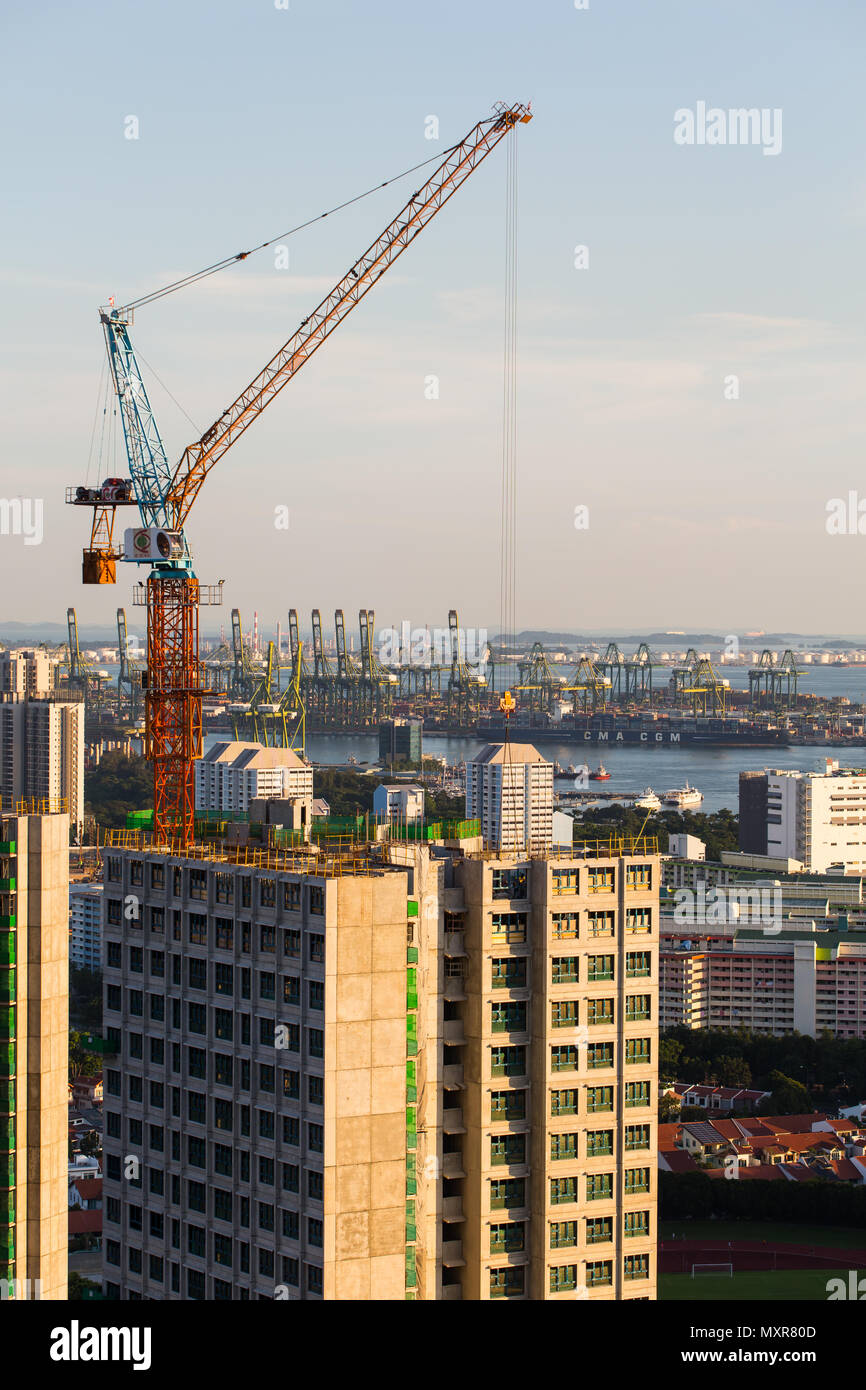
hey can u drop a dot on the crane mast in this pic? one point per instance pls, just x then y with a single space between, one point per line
175 678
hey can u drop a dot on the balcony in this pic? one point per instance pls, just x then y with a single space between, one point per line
452 1032
452 1293
452 1254
452 1122
455 987
452 1209
452 1077
452 1165
454 945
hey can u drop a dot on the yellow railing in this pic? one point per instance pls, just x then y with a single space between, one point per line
333 861
34 806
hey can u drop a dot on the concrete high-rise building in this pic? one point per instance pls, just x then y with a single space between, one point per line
407 1071
85 926
30 675
42 754
34 1009
817 818
509 788
752 835
401 741
398 801
231 775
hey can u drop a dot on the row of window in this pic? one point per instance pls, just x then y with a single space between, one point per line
598 1187
513 1060
227 888
288 1082
155 1134
511 972
196 1282
510 1281
511 1105
224 1206
638 877
223 975
284 1036
510 1237
200 928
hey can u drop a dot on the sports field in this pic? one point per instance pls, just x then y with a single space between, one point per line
774 1233
771 1286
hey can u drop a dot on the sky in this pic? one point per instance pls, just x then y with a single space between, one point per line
690 386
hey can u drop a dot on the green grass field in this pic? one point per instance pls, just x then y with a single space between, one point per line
764 1286
774 1233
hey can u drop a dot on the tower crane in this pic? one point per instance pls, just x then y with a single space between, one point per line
165 495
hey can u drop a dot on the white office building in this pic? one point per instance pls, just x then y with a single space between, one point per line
818 818
85 926
231 775
509 788
396 801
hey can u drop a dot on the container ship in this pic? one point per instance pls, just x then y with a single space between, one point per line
645 729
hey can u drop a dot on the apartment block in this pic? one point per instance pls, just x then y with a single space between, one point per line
817 818
29 675
416 1071
85 926
42 753
232 774
509 789
34 999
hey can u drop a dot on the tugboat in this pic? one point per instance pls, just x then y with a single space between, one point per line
601 774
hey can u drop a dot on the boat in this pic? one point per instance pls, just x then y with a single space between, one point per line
601 774
683 796
648 801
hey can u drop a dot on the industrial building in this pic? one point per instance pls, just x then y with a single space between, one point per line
403 1069
42 754
34 1017
232 774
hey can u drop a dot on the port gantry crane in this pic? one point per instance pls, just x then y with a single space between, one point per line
165 495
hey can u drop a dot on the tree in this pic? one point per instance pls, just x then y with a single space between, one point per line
81 1061
670 1055
787 1097
669 1109
79 1286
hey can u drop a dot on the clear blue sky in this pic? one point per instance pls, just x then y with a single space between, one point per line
705 262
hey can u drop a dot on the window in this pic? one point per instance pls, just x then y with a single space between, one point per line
637 1180
637 1007
508 927
196 1104
564 1013
509 883
222 1158
317 995
197 930
563 1146
565 880
223 1024
600 968
637 964
508 1017
223 888
600 1012
222 1247
195 1239
315 1042
599 1230
291 1177
507 1282
564 1058
508 1237
563 1103
266 1077
223 978
638 877
157 920
508 1061
638 921
566 926
599 1143
600 881
316 1090
224 930
136 960
564 970
562 1190
316 942
196 1196
157 964
292 895
636 1267
507 1105
291 989
562 1234
291 1225
157 1094
601 923
266 1216
196 973
267 1124
266 1263
599 1272
292 943
507 1192
315 1138
637 1136
136 872
507 1148
113 957
136 1002
563 1278
637 1050
196 1150
599 1186
509 973
197 1017
198 884
636 1223
223 1113
600 1055
267 940
156 1005
637 1093
291 1084
314 1279
314 1231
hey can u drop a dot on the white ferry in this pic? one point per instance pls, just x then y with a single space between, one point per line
648 801
683 796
